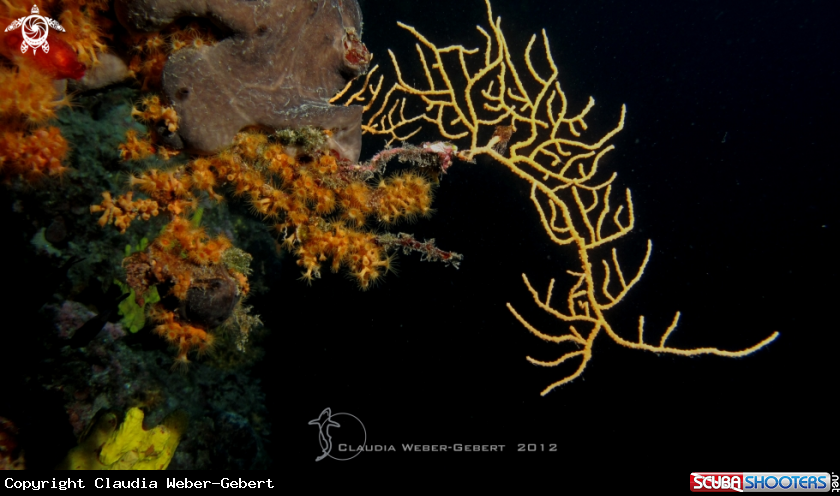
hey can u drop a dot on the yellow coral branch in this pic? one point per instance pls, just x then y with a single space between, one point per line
579 211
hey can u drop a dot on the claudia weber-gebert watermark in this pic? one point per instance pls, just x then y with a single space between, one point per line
35 28
342 437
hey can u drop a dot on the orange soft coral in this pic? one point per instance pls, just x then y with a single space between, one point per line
32 156
310 190
193 242
154 111
403 196
124 210
171 189
185 336
320 208
84 28
27 92
135 148
359 251
153 49
28 97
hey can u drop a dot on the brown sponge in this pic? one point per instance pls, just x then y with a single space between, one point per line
280 65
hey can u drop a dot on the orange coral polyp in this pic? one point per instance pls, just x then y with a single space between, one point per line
325 201
84 34
356 195
404 196
165 242
135 148
203 179
155 112
328 165
248 144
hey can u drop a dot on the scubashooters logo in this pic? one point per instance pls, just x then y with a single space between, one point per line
35 29
346 430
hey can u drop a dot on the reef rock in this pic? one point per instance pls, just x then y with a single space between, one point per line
282 62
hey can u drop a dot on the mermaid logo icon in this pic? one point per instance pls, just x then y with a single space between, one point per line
351 435
35 29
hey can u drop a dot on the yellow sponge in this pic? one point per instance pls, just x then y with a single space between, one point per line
127 446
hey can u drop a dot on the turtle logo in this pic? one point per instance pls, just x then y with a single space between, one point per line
35 29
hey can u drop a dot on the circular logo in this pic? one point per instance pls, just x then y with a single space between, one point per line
35 30
352 435
342 436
